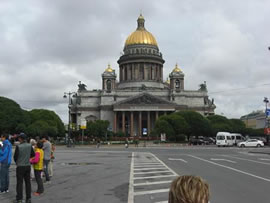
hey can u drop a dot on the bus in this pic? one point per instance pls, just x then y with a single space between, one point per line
224 139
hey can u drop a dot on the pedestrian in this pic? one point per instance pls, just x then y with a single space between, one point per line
136 141
47 148
98 143
126 143
52 159
37 162
189 189
22 155
33 142
5 161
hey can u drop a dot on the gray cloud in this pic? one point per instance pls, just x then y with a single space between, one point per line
48 46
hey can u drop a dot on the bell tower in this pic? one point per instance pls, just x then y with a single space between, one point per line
108 79
177 79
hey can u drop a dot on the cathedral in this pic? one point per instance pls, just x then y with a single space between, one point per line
133 102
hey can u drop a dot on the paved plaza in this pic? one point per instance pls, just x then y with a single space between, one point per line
143 175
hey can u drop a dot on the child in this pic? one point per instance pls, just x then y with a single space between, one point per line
189 189
51 162
37 162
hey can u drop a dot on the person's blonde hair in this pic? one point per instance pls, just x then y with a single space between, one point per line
189 189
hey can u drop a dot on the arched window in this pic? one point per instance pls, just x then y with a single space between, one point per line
177 84
109 85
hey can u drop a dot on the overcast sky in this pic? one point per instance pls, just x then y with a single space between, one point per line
47 46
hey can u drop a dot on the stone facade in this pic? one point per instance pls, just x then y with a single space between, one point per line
133 104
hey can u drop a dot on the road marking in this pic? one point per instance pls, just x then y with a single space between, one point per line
247 160
172 159
166 165
264 159
146 173
152 183
131 182
151 192
153 177
148 166
234 169
162 202
143 169
214 159
139 173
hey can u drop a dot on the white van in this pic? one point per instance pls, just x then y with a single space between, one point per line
236 138
224 139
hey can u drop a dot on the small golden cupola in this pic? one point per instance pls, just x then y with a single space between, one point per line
141 35
109 69
176 69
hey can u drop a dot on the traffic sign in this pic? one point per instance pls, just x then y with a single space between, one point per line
267 112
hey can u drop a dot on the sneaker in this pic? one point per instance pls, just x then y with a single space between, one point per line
17 201
37 194
28 201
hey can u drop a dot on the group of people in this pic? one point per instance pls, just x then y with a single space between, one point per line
184 189
39 156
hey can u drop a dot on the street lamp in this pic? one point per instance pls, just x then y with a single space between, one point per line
266 101
69 94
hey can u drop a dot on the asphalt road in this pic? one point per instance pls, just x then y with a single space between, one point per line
143 175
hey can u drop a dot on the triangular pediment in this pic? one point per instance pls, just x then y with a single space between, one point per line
144 99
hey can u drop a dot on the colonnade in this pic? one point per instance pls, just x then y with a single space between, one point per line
141 71
135 123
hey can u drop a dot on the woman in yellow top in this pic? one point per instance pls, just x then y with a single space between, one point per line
37 162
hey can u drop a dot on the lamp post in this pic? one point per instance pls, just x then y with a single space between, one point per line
69 94
266 101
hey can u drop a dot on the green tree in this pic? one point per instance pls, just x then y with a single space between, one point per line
11 115
220 124
51 118
162 126
238 126
54 127
40 128
198 124
97 128
179 125
37 122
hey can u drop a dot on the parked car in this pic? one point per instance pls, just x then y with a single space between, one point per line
251 143
209 140
195 141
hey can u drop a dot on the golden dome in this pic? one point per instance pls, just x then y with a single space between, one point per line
109 69
176 69
141 35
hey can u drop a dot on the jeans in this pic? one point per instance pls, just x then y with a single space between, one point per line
4 177
46 169
40 188
23 173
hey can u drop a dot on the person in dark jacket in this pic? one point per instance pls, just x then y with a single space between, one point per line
23 152
5 161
